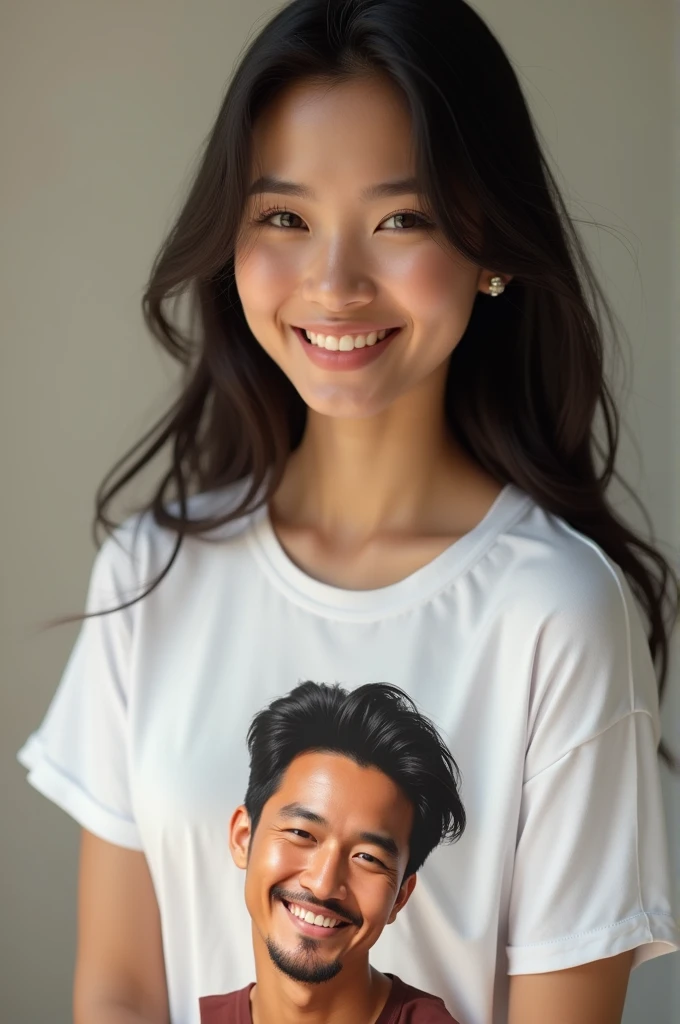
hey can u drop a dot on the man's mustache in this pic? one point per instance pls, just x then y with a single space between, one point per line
332 906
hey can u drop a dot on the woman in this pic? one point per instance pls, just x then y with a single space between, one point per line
382 468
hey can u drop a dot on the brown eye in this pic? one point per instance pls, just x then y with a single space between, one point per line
368 858
405 220
285 216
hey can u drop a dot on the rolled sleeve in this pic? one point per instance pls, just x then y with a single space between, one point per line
592 876
79 757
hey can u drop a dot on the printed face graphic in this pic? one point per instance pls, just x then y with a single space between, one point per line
325 864
331 246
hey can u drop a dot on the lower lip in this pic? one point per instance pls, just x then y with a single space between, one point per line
313 930
353 360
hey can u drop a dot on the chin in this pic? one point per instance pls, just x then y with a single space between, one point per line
345 407
303 964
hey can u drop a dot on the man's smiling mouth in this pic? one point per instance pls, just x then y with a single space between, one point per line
320 920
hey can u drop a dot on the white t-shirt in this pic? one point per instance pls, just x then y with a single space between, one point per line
521 641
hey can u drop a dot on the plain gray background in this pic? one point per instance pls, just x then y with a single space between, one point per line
103 106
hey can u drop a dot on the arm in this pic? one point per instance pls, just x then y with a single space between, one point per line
120 972
592 993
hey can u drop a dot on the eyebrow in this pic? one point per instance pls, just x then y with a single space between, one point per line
384 842
384 190
299 811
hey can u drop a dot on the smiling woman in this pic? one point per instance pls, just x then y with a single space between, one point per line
340 248
429 508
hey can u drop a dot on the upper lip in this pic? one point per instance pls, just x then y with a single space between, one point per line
338 329
315 909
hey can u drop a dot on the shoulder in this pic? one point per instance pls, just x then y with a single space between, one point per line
558 587
226 1009
554 570
140 548
591 664
416 1007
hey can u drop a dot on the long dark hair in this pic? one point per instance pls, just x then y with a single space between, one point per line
526 384
375 725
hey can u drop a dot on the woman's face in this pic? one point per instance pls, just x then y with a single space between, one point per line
326 246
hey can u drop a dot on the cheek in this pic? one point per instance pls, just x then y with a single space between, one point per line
376 901
432 284
275 863
270 865
265 276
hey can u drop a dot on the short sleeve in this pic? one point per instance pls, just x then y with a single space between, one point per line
79 756
591 876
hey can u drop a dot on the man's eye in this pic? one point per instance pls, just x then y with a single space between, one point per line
368 858
300 833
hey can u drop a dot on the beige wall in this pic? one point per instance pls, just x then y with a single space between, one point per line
103 106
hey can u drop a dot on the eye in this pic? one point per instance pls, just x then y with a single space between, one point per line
407 215
268 218
368 858
299 833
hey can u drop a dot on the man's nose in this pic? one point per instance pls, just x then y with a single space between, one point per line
324 874
336 276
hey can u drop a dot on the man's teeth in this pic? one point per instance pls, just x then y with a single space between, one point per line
347 342
310 918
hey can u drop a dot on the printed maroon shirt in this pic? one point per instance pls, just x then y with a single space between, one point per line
405 1005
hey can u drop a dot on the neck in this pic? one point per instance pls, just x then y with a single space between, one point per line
356 996
400 470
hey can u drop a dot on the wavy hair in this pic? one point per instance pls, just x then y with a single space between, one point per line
526 384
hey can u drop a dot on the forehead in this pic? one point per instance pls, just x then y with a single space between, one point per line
356 127
351 797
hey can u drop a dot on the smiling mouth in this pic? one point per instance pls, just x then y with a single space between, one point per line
348 342
327 921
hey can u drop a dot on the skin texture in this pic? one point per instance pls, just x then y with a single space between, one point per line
120 974
377 488
592 994
324 861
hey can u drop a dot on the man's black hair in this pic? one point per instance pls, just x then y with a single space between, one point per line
375 725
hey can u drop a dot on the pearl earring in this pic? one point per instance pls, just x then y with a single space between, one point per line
496 286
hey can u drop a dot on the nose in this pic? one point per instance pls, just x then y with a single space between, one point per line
335 277
323 874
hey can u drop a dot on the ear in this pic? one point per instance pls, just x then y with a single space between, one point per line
403 896
239 836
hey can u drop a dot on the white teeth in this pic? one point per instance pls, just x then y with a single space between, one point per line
346 343
310 918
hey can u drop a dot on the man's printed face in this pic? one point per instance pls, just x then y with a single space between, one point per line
325 865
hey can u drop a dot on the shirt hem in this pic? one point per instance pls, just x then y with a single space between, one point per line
54 784
649 935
